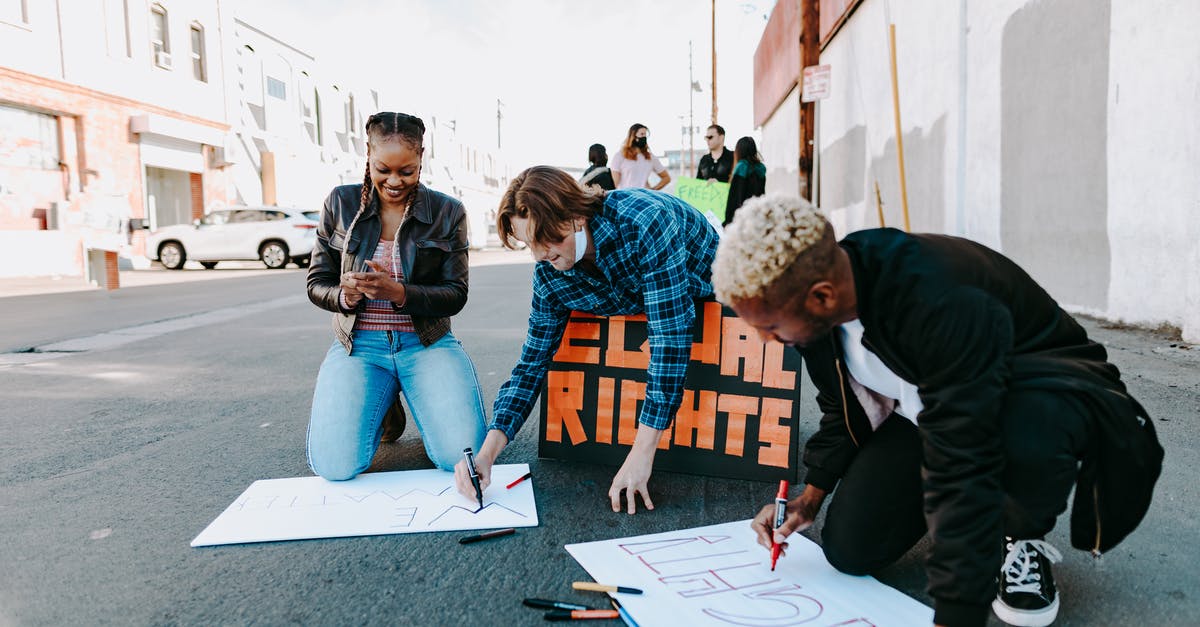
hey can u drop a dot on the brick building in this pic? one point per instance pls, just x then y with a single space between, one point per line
156 111
104 122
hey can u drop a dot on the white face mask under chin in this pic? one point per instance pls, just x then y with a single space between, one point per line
580 244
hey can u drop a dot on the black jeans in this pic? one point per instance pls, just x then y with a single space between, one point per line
875 515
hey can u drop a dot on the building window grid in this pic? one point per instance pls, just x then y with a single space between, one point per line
199 60
160 36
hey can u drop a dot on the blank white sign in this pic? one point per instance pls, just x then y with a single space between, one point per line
719 575
412 501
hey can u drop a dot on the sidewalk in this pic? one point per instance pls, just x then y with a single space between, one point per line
157 275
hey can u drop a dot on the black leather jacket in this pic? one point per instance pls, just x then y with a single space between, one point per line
433 254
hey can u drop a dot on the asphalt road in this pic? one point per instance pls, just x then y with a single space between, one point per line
113 459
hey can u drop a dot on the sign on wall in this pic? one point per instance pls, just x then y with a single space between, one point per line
816 83
740 411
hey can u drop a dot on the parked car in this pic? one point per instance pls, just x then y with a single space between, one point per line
274 235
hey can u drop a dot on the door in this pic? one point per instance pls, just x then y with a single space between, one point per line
169 197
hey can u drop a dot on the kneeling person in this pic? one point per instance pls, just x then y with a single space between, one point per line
957 397
624 252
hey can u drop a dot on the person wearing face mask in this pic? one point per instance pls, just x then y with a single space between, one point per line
624 252
632 165
391 264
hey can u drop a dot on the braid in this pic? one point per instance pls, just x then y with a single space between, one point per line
367 189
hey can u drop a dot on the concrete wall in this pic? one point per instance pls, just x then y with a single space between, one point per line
104 45
1060 132
780 147
307 164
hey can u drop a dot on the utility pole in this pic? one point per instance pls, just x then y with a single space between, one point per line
810 52
691 130
714 61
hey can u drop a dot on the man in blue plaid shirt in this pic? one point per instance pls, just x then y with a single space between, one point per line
625 252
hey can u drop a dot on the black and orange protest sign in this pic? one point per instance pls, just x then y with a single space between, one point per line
740 411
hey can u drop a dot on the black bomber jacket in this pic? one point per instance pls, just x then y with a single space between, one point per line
433 254
966 325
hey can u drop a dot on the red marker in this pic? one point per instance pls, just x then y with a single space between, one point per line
519 480
780 515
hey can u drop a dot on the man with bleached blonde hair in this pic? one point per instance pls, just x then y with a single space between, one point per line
957 397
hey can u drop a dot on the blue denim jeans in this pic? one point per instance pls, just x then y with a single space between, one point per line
354 391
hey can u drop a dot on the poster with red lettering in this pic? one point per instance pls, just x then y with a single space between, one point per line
718 575
740 411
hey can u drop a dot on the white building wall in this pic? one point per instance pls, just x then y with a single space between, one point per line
98 58
780 149
29 43
1059 132
313 153
1154 164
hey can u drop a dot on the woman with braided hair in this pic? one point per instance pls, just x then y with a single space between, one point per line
391 264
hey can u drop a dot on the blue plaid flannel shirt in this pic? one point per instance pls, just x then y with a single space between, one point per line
656 254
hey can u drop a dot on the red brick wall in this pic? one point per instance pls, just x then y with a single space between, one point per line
101 151
112 277
197 184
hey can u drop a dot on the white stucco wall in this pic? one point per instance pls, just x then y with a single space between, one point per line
1154 163
75 42
780 148
1059 132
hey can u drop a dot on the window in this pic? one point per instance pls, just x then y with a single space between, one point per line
215 218
317 117
246 215
116 28
276 88
199 71
310 108
160 37
14 11
31 139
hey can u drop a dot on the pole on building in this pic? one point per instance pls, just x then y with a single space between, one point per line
899 134
810 54
714 61
691 130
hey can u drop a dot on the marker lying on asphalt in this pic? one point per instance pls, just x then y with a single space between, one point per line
600 587
546 604
580 614
485 536
519 480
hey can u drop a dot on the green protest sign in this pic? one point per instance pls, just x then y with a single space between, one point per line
708 197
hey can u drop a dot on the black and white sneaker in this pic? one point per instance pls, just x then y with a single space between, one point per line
1027 596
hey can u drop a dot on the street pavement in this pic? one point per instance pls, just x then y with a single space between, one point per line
117 451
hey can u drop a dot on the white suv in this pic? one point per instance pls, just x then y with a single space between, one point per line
275 235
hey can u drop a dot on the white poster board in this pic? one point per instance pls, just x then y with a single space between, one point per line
719 575
411 501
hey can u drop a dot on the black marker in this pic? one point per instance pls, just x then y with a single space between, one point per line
554 605
474 474
484 536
